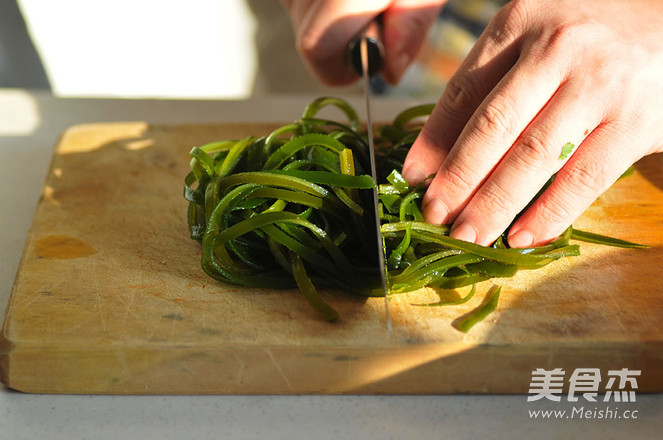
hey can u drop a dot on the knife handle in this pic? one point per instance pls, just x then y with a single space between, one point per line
372 33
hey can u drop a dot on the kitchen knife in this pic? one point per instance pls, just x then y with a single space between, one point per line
366 53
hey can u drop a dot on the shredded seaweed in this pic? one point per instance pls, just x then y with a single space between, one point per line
293 209
465 323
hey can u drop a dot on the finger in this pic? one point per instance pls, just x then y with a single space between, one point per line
297 9
597 164
491 131
527 166
491 57
325 32
405 26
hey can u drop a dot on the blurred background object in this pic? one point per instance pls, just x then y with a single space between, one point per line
20 65
199 49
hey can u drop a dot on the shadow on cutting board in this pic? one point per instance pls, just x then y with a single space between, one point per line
651 169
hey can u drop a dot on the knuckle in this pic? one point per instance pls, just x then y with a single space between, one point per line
563 36
551 212
577 188
493 118
459 179
585 179
499 202
533 152
508 22
461 95
571 34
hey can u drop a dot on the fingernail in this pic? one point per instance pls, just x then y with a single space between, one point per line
436 212
413 174
465 232
521 239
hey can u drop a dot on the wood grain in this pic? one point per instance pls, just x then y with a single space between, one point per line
110 297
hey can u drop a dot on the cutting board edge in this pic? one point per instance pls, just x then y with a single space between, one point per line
5 344
336 370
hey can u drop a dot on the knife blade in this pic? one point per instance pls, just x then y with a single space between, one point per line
366 54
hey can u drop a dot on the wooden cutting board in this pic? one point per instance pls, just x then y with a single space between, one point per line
110 297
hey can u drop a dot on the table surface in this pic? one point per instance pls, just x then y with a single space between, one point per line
30 123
